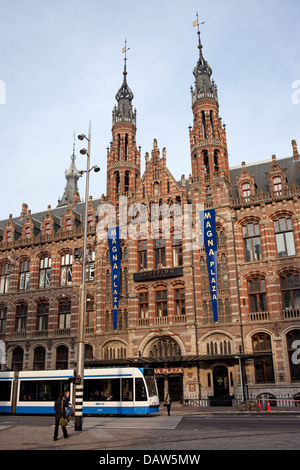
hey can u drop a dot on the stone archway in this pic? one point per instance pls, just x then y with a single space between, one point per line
164 346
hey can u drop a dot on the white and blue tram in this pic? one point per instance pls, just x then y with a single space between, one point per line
108 391
6 391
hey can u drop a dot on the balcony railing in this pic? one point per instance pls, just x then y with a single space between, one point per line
259 316
291 313
270 196
63 332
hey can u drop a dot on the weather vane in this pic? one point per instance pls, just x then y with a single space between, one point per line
196 23
124 50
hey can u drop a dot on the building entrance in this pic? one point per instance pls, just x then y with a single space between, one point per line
221 395
170 383
221 384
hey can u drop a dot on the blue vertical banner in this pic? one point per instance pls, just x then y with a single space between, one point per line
208 225
113 235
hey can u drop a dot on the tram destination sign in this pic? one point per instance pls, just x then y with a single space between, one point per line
157 274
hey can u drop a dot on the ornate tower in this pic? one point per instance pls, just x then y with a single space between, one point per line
71 190
207 136
123 157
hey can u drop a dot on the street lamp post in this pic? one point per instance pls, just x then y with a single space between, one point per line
82 305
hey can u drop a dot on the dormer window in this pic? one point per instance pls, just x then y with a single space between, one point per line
246 192
27 232
47 228
8 237
277 185
68 225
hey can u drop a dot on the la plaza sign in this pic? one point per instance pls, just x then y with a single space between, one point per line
168 371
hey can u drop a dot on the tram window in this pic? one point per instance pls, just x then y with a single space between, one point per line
151 385
140 390
101 389
127 389
41 390
5 388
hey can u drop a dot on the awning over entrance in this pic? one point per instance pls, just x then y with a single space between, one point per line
154 362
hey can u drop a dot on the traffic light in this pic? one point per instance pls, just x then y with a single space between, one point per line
75 380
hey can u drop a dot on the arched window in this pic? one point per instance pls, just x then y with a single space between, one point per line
161 302
62 357
66 269
24 273
90 266
45 271
119 147
3 315
264 372
211 124
108 286
179 301
246 192
159 252
27 231
284 237
164 347
126 181
290 288
17 359
117 182
216 161
142 254
252 242
47 228
8 236
64 314
205 161
277 185
126 147
21 316
42 315
177 250
5 272
257 295
204 133
143 304
68 224
90 312
39 358
88 352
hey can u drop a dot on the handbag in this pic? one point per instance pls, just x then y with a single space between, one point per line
63 421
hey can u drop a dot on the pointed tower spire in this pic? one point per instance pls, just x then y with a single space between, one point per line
207 136
123 111
202 73
72 176
123 157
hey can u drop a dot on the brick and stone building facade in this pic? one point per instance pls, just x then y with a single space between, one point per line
165 317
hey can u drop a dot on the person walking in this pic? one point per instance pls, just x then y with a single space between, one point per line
69 409
60 412
168 403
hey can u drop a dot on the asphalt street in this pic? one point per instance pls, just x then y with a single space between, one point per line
178 432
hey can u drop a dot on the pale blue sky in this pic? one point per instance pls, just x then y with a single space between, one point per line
62 63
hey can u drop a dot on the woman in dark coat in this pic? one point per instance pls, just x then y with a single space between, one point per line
60 412
168 403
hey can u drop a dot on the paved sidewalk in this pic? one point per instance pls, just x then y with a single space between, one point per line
181 409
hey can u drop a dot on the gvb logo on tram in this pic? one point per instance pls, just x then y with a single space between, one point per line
2 353
296 354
